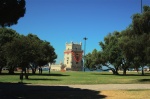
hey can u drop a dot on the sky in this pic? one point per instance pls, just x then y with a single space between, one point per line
61 21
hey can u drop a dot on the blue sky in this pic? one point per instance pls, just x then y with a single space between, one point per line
61 21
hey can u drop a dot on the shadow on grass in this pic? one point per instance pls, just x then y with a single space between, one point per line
146 74
134 75
10 74
30 74
144 80
44 79
101 74
22 91
50 74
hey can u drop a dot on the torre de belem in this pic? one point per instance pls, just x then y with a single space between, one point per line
73 56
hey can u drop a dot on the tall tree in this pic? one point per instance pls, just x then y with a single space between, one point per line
6 36
112 52
11 11
141 28
141 22
28 51
18 53
92 60
43 52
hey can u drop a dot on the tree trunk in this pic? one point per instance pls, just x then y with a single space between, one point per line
142 70
33 71
137 70
115 72
124 71
26 73
0 70
11 71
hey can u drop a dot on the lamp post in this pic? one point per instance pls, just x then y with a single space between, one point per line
84 52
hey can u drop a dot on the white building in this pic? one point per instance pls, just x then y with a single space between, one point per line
56 67
73 56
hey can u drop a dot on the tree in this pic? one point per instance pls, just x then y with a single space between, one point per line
36 51
112 52
141 22
3 61
43 52
141 35
6 36
11 11
92 60
131 47
18 53
26 51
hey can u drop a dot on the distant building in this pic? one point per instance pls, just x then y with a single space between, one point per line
56 67
73 56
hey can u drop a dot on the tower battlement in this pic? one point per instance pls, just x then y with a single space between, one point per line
73 56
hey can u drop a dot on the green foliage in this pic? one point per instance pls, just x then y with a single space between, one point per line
6 36
24 51
92 60
11 11
141 22
129 48
111 51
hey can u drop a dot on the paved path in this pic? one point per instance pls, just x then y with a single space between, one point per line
112 86
42 91
99 87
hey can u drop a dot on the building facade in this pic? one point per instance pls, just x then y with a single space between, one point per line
73 56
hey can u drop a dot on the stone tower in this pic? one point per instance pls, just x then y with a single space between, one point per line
73 56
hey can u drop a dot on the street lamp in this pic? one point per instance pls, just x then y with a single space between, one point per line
84 51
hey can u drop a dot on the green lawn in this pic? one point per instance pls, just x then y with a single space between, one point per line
64 78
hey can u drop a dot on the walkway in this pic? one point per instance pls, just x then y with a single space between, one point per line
99 87
42 91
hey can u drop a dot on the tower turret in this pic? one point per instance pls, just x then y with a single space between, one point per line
73 56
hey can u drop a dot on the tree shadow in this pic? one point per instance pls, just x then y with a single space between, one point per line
133 75
101 74
121 74
147 73
10 74
22 91
44 79
144 80
30 74
50 74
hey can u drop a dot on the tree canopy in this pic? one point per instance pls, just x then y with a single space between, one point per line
11 11
24 51
6 36
129 48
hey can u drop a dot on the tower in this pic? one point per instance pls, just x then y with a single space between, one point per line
73 56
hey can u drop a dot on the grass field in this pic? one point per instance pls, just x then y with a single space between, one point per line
65 78
10 89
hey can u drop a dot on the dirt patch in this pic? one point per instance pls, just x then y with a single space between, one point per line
126 94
